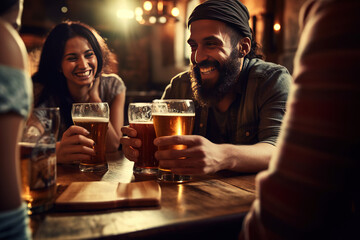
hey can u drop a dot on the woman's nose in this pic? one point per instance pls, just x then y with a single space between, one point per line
82 63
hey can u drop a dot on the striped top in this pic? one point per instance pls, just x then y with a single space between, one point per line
311 189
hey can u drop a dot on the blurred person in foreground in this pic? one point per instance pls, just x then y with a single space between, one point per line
72 69
15 103
311 189
240 99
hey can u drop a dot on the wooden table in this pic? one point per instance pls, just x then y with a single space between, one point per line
207 207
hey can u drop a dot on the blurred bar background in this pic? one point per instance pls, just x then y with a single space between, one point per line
149 37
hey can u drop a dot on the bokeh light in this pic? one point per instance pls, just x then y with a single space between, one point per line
139 11
64 9
175 12
125 14
162 19
147 5
152 20
277 27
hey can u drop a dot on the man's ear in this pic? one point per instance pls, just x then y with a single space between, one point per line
244 46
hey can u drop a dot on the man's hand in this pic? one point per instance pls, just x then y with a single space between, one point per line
74 145
130 143
200 157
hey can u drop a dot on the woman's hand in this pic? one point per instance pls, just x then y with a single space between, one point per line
74 145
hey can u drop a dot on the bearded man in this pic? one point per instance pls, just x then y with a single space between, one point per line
240 99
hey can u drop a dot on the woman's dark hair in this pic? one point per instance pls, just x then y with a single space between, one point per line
54 47
49 73
255 51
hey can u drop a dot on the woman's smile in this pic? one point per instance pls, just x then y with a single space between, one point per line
79 64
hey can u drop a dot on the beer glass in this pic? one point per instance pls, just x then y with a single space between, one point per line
94 117
38 159
140 118
173 117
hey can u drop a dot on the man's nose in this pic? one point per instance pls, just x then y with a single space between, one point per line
199 55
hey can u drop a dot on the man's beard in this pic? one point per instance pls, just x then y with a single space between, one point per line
228 77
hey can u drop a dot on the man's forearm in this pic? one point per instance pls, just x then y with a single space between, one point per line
247 158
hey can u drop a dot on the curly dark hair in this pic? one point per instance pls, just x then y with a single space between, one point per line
255 51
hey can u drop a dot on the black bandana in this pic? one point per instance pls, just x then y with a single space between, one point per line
231 12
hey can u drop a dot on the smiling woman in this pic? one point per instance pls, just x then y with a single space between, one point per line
71 70
79 66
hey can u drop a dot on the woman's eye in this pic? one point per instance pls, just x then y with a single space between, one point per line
88 55
71 59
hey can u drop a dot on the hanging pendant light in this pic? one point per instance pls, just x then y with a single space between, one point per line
157 12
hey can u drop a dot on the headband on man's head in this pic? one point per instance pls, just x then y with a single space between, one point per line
6 5
231 12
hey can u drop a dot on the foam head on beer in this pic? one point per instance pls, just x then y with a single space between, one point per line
90 119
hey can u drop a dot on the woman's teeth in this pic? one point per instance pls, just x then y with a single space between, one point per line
83 74
207 70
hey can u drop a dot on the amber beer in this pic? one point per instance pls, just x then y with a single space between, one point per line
38 175
167 124
97 126
146 160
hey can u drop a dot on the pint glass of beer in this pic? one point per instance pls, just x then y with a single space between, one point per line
173 117
94 117
140 118
38 159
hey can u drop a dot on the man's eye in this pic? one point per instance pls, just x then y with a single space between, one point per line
211 44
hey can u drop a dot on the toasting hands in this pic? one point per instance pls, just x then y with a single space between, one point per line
200 157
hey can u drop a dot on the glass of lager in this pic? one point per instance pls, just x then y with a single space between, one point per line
38 159
140 118
94 117
173 117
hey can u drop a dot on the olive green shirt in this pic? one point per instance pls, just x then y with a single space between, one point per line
255 115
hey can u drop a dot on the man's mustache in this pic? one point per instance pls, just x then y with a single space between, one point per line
207 63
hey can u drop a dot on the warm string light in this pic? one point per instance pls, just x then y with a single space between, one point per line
149 12
156 11
147 5
277 27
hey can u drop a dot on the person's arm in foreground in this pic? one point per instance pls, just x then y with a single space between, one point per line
13 216
310 190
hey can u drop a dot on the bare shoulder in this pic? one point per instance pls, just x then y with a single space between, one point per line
12 48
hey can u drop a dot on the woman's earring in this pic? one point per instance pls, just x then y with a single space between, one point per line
241 55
